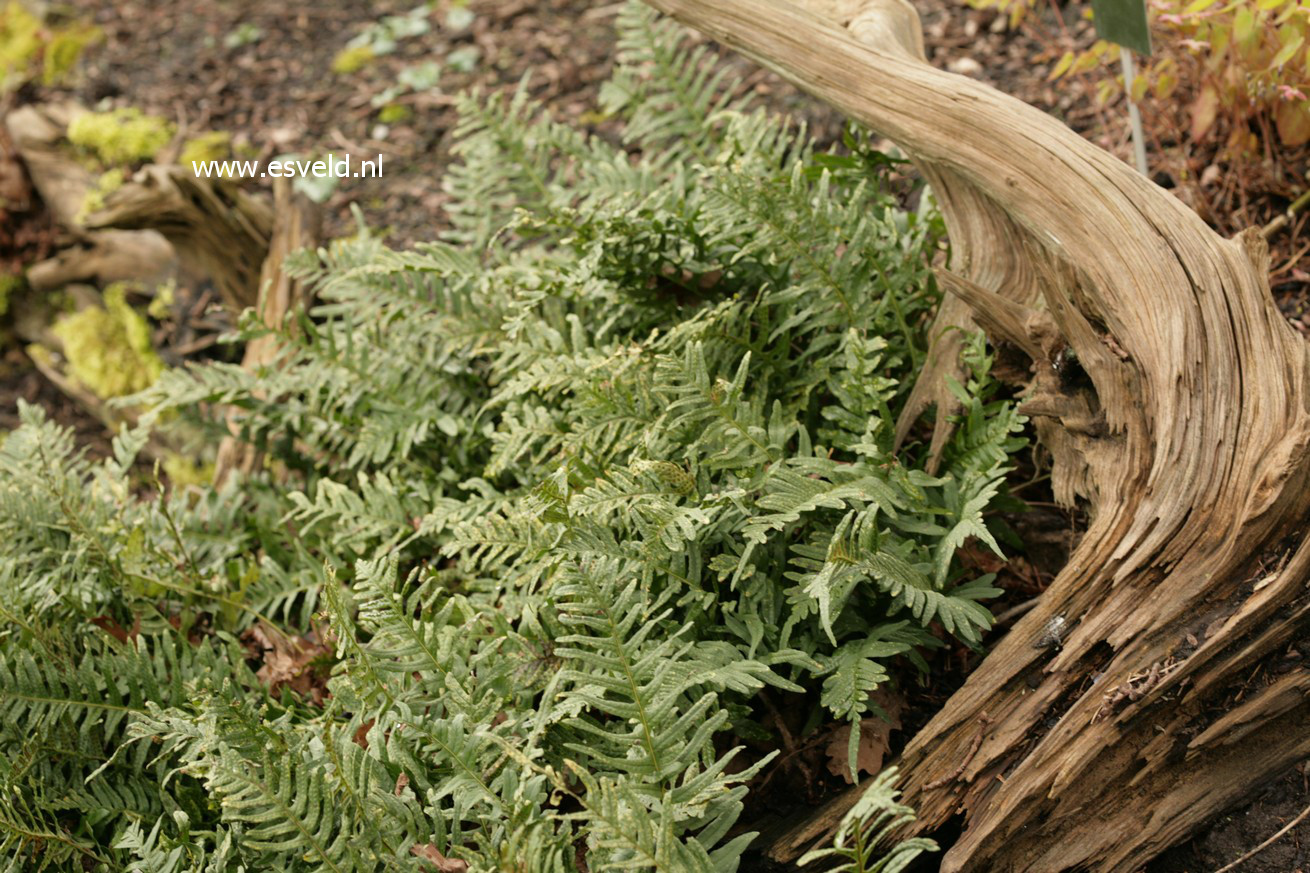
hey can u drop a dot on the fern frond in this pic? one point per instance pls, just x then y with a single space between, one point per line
669 89
865 829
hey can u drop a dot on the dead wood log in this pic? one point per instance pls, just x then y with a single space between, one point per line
297 224
1178 690
219 230
61 181
104 257
101 256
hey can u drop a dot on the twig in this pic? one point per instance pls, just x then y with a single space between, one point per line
606 11
1282 221
790 746
1014 612
1267 843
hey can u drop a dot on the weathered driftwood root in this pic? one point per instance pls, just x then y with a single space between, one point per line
296 225
100 256
1173 398
217 228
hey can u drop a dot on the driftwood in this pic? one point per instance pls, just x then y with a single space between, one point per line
61 181
297 224
218 230
101 256
1179 689
104 257
165 214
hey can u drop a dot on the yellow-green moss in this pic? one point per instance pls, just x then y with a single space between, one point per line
352 60
394 113
64 49
108 350
212 146
591 118
24 40
120 136
162 304
20 42
108 182
183 471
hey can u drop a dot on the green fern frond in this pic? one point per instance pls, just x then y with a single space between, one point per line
865 829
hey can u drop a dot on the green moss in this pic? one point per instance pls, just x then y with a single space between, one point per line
108 350
120 136
20 42
394 113
352 60
64 50
212 146
109 182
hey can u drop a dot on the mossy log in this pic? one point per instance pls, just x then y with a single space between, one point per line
101 256
1181 686
216 227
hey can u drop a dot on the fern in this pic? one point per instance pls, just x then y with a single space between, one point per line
550 506
866 827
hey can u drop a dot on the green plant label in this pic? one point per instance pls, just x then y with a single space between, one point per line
1123 22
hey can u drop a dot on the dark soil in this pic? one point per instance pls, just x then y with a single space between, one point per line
1243 829
276 94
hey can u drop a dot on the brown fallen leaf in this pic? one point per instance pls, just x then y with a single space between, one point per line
116 630
293 662
428 852
875 738
1205 109
361 734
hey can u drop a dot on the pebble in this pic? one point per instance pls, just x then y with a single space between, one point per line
965 66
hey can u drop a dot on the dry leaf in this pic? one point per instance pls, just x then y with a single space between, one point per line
428 852
1204 112
361 734
289 662
1293 121
875 738
116 630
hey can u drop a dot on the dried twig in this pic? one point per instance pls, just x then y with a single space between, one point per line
1282 221
1014 612
1267 843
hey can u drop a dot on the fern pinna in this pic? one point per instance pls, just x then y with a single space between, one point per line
546 505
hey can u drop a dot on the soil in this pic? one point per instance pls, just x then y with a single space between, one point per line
1242 829
261 71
